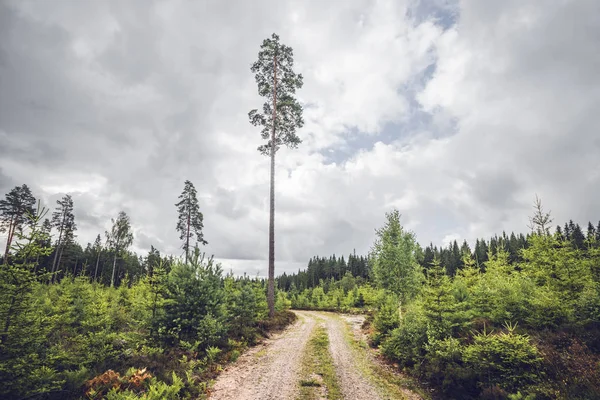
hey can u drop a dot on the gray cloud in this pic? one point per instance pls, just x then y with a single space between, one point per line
444 110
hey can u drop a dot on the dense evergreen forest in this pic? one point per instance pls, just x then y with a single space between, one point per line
515 317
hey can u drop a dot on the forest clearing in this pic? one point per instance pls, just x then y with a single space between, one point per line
299 200
274 370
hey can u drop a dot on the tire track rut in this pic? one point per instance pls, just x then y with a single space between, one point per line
267 371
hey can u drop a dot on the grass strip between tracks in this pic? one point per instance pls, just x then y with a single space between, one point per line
317 377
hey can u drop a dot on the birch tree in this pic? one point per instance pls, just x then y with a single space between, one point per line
118 239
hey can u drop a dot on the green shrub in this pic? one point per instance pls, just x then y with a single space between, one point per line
406 344
444 366
588 304
546 309
507 359
387 318
210 331
279 321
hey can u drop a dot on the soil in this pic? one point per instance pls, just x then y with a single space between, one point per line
271 369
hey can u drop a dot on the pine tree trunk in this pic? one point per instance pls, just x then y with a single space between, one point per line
60 232
9 314
112 279
8 240
62 248
97 262
187 240
56 250
153 312
271 283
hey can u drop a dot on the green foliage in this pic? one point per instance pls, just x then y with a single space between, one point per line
387 317
406 344
557 264
446 368
210 332
194 306
119 239
277 82
394 259
63 334
23 328
327 269
282 302
190 221
15 210
246 304
439 303
587 308
507 359
553 295
335 299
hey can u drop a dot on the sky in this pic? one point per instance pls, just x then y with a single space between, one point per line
457 113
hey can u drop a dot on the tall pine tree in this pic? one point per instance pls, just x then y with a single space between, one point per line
191 220
14 209
281 116
97 250
64 220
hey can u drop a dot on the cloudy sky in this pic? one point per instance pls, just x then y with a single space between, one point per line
456 113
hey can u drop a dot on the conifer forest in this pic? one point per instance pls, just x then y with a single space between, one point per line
380 200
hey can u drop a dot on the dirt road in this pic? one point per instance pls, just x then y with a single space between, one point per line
267 371
272 369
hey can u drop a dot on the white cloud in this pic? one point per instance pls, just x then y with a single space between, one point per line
121 102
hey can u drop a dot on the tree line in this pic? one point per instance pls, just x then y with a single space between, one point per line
321 269
517 317
161 335
103 322
281 116
108 259
451 257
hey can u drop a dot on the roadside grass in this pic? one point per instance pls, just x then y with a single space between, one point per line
260 353
390 384
318 379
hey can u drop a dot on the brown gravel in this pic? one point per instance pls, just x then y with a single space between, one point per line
355 323
352 382
269 370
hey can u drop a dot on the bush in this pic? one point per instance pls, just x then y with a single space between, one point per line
445 367
406 344
570 365
281 320
387 318
507 359
588 305
211 332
